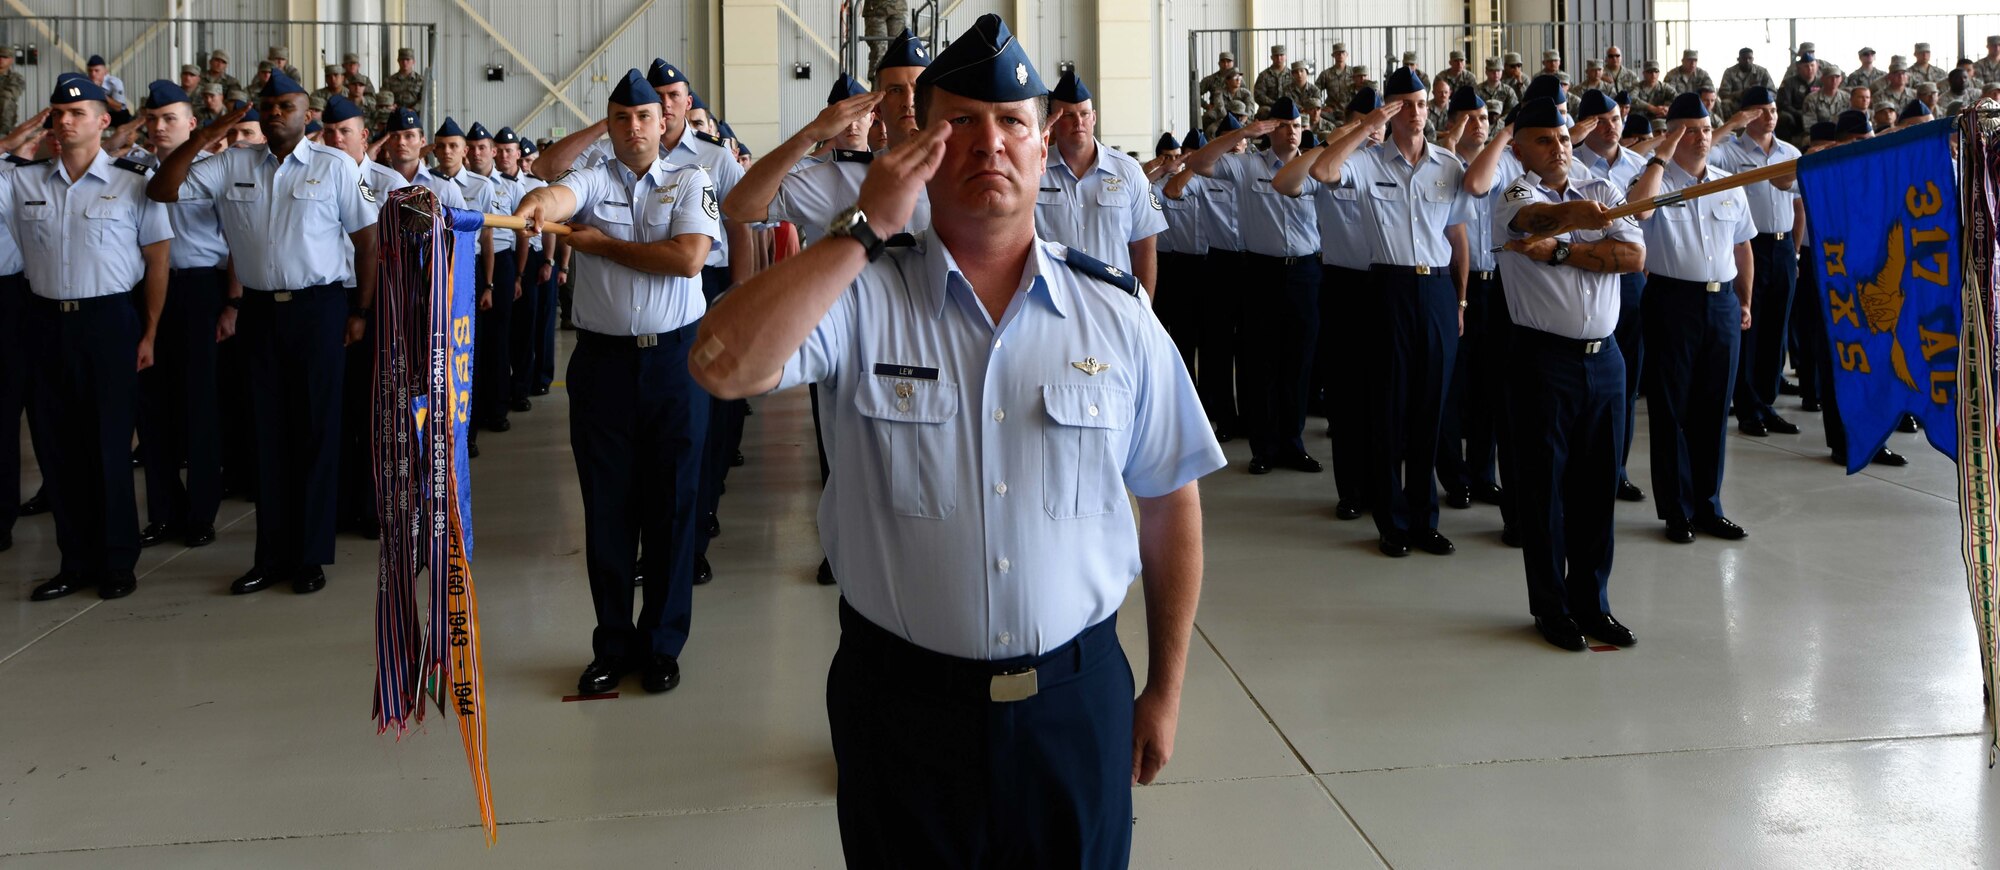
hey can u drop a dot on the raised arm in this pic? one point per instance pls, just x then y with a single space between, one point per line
1291 180
1479 175
557 158
1202 162
165 185
750 201
1647 185
1326 167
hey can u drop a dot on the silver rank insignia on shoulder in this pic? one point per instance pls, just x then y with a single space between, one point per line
904 390
1090 365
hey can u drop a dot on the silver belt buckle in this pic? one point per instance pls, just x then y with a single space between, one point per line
1593 346
1714 287
649 340
1779 236
68 305
1017 686
282 296
1423 270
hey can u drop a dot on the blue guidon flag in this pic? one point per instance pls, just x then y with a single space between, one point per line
1883 217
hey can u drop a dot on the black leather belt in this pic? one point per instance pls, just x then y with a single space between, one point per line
250 294
1709 286
1285 261
1406 270
636 342
68 306
1552 341
898 661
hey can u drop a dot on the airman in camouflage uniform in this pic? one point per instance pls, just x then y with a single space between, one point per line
1270 84
1334 77
1621 77
1824 63
1495 91
209 105
1652 97
1214 81
1745 74
1894 89
407 83
1231 90
350 66
1867 75
1686 78
884 19
1357 78
336 84
1299 86
1923 70
1593 80
280 59
1511 75
12 86
385 105
218 72
1457 73
1987 69
1827 103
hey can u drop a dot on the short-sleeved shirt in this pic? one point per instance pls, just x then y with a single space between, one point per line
812 196
279 213
1409 206
979 508
198 241
1695 240
379 180
1187 225
1219 208
1343 241
526 184
1685 82
449 195
1273 224
11 261
1770 207
477 191
694 148
665 202
1561 300
1101 213
1624 167
506 196
81 237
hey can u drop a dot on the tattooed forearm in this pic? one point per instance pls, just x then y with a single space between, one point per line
1611 257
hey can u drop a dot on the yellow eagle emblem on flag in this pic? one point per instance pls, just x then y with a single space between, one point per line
1882 302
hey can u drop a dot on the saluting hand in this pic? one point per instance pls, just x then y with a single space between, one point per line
221 127
1258 128
897 178
1668 143
835 118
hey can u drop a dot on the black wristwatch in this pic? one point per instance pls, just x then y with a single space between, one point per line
1561 255
358 311
1655 162
854 225
235 302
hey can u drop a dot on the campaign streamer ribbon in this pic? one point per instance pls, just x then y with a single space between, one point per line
424 495
1978 487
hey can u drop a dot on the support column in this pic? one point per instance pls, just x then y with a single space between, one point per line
750 73
1127 105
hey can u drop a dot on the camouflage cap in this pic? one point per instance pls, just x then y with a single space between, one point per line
1512 58
212 88
316 102
187 69
335 70
279 52
350 57
220 55
406 54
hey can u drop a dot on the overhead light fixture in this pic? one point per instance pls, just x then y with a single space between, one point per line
802 70
496 72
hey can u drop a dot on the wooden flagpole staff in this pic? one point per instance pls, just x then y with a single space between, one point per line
510 222
1693 191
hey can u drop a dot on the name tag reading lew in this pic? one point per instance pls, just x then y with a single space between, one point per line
913 372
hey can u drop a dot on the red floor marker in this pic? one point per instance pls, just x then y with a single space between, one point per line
607 696
1606 648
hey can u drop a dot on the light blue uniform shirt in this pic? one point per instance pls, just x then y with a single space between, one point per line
476 190
279 214
198 242
1770 208
812 196
1624 168
1562 300
667 201
1101 213
524 185
1187 222
506 196
978 503
1343 241
449 195
1409 207
1273 224
10 250
379 180
1696 240
81 237
1219 205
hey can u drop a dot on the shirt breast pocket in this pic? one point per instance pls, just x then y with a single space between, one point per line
1679 213
244 194
111 223
614 218
1347 193
919 451
313 197
1081 476
38 224
1051 197
1110 198
1436 197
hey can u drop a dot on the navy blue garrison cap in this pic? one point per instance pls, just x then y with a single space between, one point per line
905 50
1853 122
1757 95
76 89
1594 103
1229 123
1167 143
95 60
477 132
1825 131
338 109
449 128
1070 89
662 74
1624 98
280 85
1538 112
694 101
1466 100
986 63
165 93
845 88
1636 127
1366 100
1687 106
313 127
1193 140
1547 86
1916 109
1308 141
250 117
1284 110
528 147
632 90
506 136
1403 81
405 119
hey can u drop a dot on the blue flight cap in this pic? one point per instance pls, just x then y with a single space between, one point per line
845 88
95 60
528 147
280 85
1284 110
1465 100
313 127
1365 100
477 132
1757 95
1070 89
1193 141
986 63
1538 112
633 90
1308 141
506 136
722 131
77 90
1636 127
338 109
1687 106
1167 143
1547 86
1594 103
1403 81
404 119
448 128
1825 131
694 101
1916 109
905 50
662 74
1853 122
1228 123
251 117
165 93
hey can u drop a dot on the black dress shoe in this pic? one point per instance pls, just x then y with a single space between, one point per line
1510 537
1781 425
1787 388
117 587
541 391
702 572
1885 456
1458 500
1560 631
309 581
1224 437
711 525
1629 491
6 541
471 449
35 505
57 587
257 580
1260 466
601 676
138 456
200 537
1430 541
1488 493
522 406
737 460
1680 533
660 674
1906 424
1606 628
1348 510
1810 406
1304 462
497 424
1720 527
1752 428
1392 547
826 573
157 533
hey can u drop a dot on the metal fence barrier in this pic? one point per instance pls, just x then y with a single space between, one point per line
1773 39
139 50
